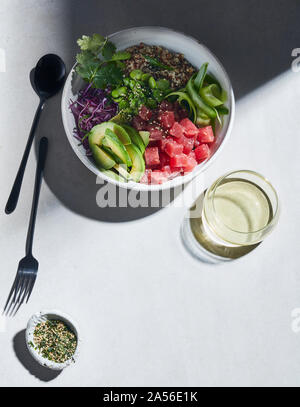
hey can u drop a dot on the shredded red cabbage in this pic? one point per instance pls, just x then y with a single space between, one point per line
91 107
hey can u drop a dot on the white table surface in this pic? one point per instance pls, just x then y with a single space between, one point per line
149 314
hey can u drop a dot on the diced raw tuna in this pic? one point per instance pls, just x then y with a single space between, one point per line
188 144
176 130
153 143
146 178
202 152
191 164
162 143
172 148
156 133
145 113
205 135
180 112
179 161
138 123
158 177
167 119
166 105
190 130
176 145
192 154
152 156
164 159
167 169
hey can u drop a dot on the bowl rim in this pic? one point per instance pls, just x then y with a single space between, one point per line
43 315
179 180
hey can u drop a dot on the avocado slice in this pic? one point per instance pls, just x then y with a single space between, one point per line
102 159
135 137
98 132
122 170
113 175
111 141
138 162
121 117
145 136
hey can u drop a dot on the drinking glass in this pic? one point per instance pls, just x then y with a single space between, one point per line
233 216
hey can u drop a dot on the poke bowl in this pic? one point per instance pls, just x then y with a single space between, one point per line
158 124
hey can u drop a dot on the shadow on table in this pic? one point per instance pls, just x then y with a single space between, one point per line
253 41
42 373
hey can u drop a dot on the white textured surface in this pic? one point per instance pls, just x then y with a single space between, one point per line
148 313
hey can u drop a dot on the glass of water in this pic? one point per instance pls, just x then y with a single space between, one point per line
233 216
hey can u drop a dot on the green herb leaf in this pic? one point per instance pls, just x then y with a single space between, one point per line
92 43
120 56
108 50
109 74
87 66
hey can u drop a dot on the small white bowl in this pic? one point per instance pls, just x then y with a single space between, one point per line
196 53
43 316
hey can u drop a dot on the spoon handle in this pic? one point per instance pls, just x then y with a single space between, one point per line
15 192
42 155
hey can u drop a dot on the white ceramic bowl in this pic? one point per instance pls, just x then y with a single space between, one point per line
41 317
196 53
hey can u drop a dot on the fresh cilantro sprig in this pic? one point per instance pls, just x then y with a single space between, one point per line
98 62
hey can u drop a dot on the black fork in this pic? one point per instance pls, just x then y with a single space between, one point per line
28 266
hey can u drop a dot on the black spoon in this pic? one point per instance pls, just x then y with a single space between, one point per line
49 77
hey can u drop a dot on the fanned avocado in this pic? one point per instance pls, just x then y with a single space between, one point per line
98 132
111 141
102 159
135 137
145 136
122 170
121 117
138 163
113 175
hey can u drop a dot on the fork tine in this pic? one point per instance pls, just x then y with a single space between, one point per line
32 282
11 309
23 287
10 293
18 285
15 299
24 292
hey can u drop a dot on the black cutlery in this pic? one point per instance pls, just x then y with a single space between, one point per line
28 266
49 76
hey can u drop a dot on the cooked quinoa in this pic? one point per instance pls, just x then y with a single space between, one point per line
178 77
54 340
